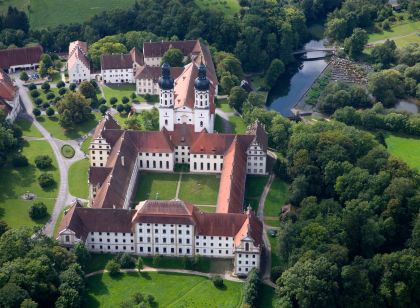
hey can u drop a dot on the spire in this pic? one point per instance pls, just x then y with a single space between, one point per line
166 82
201 82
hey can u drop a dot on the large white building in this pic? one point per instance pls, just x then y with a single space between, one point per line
120 68
172 228
78 65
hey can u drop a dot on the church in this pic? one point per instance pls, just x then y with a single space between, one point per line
173 228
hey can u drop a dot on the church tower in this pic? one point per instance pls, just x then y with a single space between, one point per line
166 99
202 117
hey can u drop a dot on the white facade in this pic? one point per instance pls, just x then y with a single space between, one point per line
118 75
206 163
214 246
247 257
157 161
112 242
256 159
78 72
146 86
30 66
99 151
166 109
152 61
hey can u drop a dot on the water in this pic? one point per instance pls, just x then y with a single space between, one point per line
407 106
297 80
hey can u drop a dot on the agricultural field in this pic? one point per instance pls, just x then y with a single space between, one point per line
168 289
14 182
228 7
405 148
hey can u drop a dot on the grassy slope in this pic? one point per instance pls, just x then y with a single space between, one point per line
238 124
228 7
169 290
151 183
397 30
199 189
46 13
253 190
78 179
406 148
119 91
14 182
276 198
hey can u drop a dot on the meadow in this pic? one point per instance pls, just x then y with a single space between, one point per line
227 7
405 148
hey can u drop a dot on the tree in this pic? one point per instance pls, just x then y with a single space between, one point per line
274 71
44 64
113 267
72 86
24 76
16 19
73 109
113 100
46 180
256 99
45 86
106 45
385 54
125 99
387 86
38 210
3 227
43 162
19 161
50 112
11 295
173 57
61 84
87 90
156 260
82 254
103 109
28 303
217 281
139 264
237 97
62 91
36 112
31 87
355 44
126 260
252 288
35 93
50 95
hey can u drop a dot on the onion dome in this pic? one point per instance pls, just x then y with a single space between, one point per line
201 82
166 82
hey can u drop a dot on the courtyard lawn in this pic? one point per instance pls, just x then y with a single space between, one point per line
199 189
405 148
408 27
169 290
227 7
238 124
78 179
160 186
14 182
51 13
253 190
53 126
276 198
119 91
28 129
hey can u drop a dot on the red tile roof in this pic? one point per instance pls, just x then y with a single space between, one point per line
153 72
183 135
158 49
161 211
252 227
107 122
137 56
116 61
97 175
261 137
151 142
78 51
216 224
19 56
7 90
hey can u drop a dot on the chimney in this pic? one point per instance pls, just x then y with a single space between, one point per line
122 160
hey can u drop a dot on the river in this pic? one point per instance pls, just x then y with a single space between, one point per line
297 79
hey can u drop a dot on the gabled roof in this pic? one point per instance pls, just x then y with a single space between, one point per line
158 49
78 44
217 144
151 142
261 137
216 224
116 61
252 227
97 175
137 56
183 135
78 52
107 122
19 56
164 211
153 72
8 91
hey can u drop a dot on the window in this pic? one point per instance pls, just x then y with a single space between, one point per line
247 247
180 250
67 238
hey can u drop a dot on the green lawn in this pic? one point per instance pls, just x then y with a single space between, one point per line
119 91
20 4
276 198
156 185
43 95
78 179
407 40
225 106
238 125
57 223
53 126
274 243
397 30
406 148
208 209
85 145
199 189
218 124
14 182
169 290
51 13
254 188
227 7
28 129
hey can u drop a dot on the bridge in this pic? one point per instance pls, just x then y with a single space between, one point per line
302 51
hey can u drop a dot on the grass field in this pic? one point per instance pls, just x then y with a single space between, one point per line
253 190
119 92
238 124
169 290
28 129
227 7
14 182
85 145
156 185
54 127
409 27
276 198
78 179
199 189
50 13
407 40
406 148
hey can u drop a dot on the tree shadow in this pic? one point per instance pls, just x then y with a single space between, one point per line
145 275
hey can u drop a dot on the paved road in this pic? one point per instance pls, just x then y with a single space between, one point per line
63 197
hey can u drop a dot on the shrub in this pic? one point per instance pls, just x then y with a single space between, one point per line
102 101
46 180
45 86
139 264
43 162
67 151
127 108
31 87
217 281
103 109
45 105
61 84
50 95
50 112
276 272
72 86
125 100
3 227
19 161
120 108
62 91
113 267
24 76
147 97
133 96
36 112
35 93
38 210
38 101
94 83
156 261
126 260
113 100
